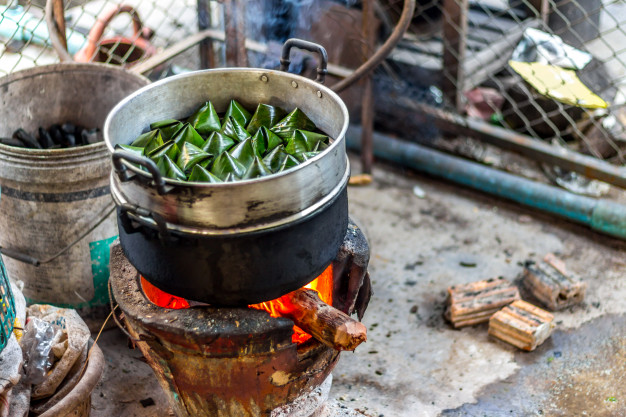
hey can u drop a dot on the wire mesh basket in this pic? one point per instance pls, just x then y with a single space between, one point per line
7 307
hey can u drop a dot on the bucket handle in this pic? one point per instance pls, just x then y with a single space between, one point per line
120 156
308 46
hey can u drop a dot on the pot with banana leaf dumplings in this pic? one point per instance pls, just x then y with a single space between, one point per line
231 183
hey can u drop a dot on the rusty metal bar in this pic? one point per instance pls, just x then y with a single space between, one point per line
533 148
59 18
367 109
235 33
383 51
454 39
207 59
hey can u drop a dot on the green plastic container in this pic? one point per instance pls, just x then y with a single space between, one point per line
7 307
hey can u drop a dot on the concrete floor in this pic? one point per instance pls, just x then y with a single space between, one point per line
413 363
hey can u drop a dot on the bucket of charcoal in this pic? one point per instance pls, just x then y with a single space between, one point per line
57 214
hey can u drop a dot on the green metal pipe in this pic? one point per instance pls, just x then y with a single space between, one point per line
601 215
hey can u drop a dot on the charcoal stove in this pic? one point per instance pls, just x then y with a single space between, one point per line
225 361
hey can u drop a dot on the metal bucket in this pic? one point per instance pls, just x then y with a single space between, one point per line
55 205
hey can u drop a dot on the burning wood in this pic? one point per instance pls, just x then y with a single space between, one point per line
475 302
324 322
521 324
550 283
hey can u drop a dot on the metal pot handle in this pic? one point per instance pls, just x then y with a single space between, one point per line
120 155
308 46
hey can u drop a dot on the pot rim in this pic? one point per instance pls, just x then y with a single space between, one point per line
198 231
334 142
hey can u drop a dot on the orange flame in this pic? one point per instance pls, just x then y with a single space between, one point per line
323 284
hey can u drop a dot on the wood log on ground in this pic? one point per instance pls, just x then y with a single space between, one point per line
551 284
475 302
521 324
322 321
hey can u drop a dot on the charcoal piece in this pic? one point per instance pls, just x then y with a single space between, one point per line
56 134
69 140
28 139
78 135
12 142
90 136
68 128
45 140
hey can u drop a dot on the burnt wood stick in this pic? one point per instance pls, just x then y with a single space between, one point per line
325 323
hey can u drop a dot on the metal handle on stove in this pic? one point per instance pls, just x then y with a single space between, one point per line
120 156
308 46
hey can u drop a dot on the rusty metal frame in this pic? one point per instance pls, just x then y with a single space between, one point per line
525 145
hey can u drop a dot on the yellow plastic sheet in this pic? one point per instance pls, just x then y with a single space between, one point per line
558 83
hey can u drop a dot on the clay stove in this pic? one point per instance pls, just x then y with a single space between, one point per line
239 361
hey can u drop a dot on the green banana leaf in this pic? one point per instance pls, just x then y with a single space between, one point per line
243 152
230 178
144 139
234 130
217 143
321 146
163 123
265 115
265 140
312 139
296 144
169 169
237 112
168 128
305 156
137 150
190 155
205 120
289 162
169 148
225 164
188 135
199 174
256 169
275 158
293 121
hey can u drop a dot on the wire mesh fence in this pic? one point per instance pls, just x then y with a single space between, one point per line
551 69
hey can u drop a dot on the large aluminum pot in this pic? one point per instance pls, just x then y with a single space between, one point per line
239 242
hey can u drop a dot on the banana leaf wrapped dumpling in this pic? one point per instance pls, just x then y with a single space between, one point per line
169 169
205 120
244 152
264 116
217 143
292 122
265 141
187 134
234 130
168 148
190 155
199 174
225 164
167 127
256 169
237 112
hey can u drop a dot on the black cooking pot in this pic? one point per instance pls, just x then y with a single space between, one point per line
239 269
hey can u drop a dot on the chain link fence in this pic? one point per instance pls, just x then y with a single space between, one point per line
551 69
140 29
554 70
